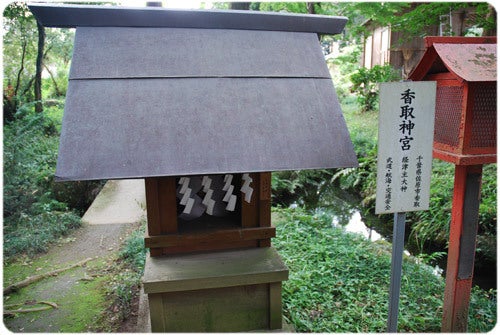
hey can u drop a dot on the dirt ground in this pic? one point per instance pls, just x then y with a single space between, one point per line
115 213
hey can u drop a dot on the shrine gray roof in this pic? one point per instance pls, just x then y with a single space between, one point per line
71 16
166 101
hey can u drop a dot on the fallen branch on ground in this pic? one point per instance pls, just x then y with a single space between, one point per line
29 310
30 280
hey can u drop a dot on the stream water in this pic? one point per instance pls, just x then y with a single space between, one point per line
347 212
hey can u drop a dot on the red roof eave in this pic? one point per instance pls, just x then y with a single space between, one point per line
468 58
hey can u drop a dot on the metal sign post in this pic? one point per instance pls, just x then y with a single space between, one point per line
404 162
398 242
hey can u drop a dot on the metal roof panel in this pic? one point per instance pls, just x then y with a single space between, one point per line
135 128
64 16
156 92
122 52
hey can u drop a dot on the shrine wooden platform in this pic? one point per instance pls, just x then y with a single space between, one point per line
238 290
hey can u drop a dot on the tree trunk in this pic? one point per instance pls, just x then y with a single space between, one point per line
310 7
311 10
58 91
239 5
21 68
39 63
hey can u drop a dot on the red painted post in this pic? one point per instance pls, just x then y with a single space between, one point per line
461 248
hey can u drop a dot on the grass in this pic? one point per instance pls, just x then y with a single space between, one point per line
363 126
339 282
83 316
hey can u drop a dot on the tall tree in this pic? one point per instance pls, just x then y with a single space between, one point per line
18 47
39 68
310 7
27 49
412 17
239 5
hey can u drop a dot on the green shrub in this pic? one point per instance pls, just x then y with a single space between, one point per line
34 214
298 186
126 284
29 162
365 84
433 225
133 251
122 289
31 234
482 310
341 67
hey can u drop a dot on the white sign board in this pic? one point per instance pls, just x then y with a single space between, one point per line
406 132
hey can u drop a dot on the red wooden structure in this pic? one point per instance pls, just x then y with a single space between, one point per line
465 135
465 71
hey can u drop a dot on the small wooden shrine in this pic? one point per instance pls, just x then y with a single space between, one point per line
203 105
466 119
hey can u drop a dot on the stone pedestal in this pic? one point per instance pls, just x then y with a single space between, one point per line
227 291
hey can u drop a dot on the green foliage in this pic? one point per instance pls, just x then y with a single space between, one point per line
30 152
412 18
428 229
126 283
362 179
133 251
365 84
34 233
339 282
486 17
32 216
301 186
341 67
37 210
433 226
482 310
122 289
30 149
19 54
415 22
290 7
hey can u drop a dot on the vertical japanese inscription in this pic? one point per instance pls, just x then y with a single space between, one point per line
406 126
388 183
418 181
